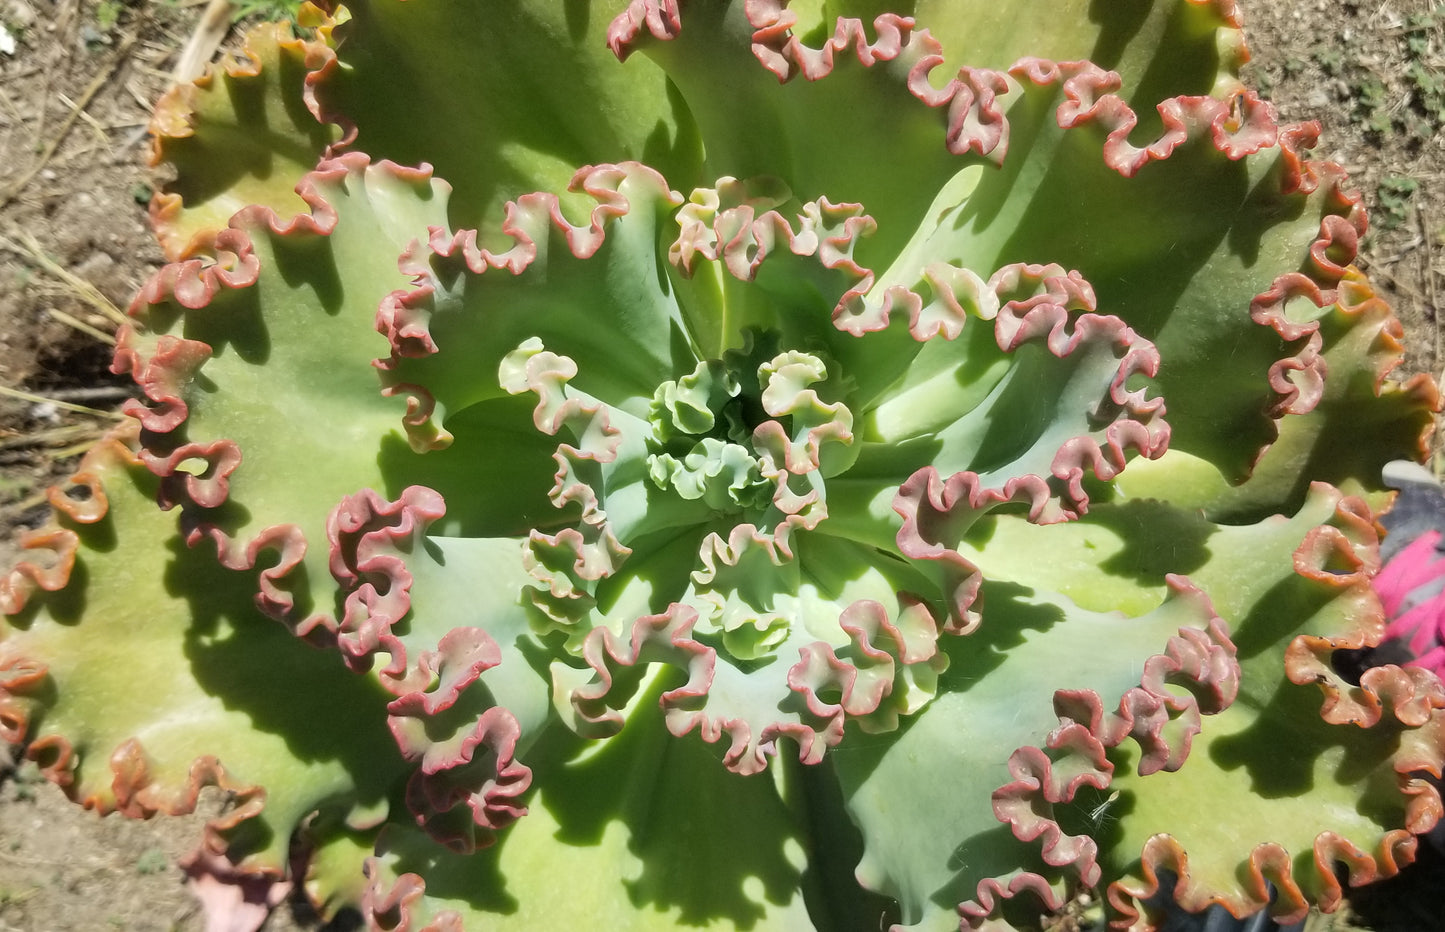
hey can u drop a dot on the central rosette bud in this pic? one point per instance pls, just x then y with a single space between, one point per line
751 432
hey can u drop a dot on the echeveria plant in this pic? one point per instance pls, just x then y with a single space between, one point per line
805 466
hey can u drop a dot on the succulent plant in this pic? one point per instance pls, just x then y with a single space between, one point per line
742 464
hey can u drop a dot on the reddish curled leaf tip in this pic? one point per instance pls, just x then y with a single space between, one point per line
975 98
1200 659
938 512
368 535
1299 379
404 316
21 680
1358 302
1338 557
1238 126
176 115
49 552
782 53
50 555
441 675
226 261
161 375
1035 303
870 666
1269 878
1040 781
397 905
195 473
736 223
478 778
472 769
857 679
136 793
1341 557
667 638
49 559
532 217
661 19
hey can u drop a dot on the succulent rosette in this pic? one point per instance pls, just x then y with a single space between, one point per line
743 464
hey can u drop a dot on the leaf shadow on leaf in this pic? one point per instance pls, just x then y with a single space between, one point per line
1147 245
678 153
1282 749
1119 21
1158 539
318 135
1021 409
495 447
1006 615
577 17
65 606
661 563
1139 241
235 519
1186 61
323 711
696 856
311 261
994 853
1286 609
836 900
476 879
221 158
233 321
221 155
1263 210
708 843
1348 438
1028 119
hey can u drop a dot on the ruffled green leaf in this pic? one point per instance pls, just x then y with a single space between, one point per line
242 134
136 689
642 831
503 102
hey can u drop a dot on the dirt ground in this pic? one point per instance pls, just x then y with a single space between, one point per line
74 244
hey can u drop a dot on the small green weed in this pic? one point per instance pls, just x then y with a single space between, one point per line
151 861
9 897
266 10
107 14
1399 102
27 776
1395 195
1330 59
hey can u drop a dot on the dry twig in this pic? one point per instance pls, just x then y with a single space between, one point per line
82 326
65 405
27 246
201 47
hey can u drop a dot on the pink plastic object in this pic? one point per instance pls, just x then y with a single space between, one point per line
1418 622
